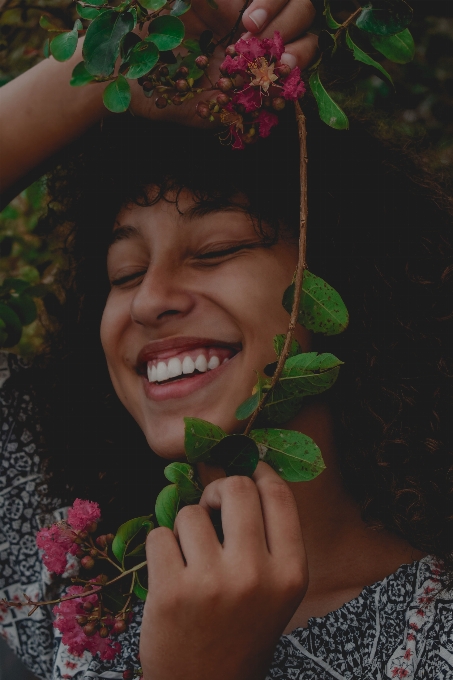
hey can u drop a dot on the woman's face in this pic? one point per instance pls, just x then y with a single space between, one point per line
195 302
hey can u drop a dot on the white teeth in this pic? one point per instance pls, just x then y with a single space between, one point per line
188 365
174 367
213 362
150 374
201 363
162 371
225 360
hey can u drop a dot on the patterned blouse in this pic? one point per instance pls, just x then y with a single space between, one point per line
401 627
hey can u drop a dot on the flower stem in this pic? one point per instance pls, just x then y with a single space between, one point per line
301 264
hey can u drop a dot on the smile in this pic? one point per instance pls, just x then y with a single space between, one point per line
187 364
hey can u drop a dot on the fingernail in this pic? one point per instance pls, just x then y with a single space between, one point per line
259 17
288 59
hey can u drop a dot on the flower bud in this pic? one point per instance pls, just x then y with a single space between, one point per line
278 103
101 542
87 588
202 62
88 607
102 579
80 553
148 86
283 70
82 620
87 562
93 552
222 99
83 535
91 528
182 85
119 626
224 84
183 72
163 71
128 674
109 538
90 628
104 632
176 100
203 110
161 102
231 51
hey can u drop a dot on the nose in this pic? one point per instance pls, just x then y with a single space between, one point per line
161 295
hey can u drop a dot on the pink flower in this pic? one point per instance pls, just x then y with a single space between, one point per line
82 514
293 86
266 122
56 542
73 635
237 138
251 48
274 46
233 65
250 98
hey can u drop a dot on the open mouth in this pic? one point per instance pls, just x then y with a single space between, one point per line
186 364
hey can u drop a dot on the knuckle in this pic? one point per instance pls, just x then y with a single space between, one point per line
239 484
295 582
157 535
189 513
280 492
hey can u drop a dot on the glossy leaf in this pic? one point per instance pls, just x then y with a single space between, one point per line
303 375
385 17
117 95
80 76
183 475
13 326
142 58
166 32
179 8
365 58
25 308
192 46
329 111
399 48
46 49
200 437
89 13
321 308
139 590
279 342
330 21
102 41
293 455
167 506
153 5
249 405
236 454
64 45
127 44
125 534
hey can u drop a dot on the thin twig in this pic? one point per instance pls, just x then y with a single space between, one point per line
301 264
348 21
229 36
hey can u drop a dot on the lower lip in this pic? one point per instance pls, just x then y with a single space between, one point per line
184 387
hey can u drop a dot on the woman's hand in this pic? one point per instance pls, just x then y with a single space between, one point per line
292 18
217 610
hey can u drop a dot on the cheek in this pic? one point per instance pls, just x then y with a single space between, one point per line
113 322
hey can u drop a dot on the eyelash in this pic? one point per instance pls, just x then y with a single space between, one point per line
205 256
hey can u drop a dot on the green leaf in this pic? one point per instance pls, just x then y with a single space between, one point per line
330 21
126 533
329 111
87 12
200 437
102 41
167 505
139 551
303 375
192 46
127 44
166 32
365 58
279 342
183 475
46 49
17 285
212 4
139 590
179 8
24 307
321 308
399 48
247 407
13 326
3 334
189 62
113 600
80 75
142 58
48 25
153 5
237 454
64 45
293 455
385 17
117 95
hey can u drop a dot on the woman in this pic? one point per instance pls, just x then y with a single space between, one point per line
184 248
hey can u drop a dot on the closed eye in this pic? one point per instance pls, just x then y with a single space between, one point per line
126 279
214 254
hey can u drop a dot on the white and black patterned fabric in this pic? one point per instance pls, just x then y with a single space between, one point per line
401 627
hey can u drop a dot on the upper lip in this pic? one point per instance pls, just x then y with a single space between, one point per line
176 345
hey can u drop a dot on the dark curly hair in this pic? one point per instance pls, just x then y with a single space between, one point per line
379 232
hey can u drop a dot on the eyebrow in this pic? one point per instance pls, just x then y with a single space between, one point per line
124 231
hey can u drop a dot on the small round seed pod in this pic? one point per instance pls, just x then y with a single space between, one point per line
230 51
90 628
278 103
222 99
183 72
202 62
163 71
283 70
104 631
203 110
148 86
182 85
176 100
161 102
87 562
120 626
224 84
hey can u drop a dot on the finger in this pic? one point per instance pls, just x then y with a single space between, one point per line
260 13
197 538
242 519
301 52
163 555
281 519
294 19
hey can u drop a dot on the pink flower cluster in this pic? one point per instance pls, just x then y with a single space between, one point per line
74 637
255 80
60 540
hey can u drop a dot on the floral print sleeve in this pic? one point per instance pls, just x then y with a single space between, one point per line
401 627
